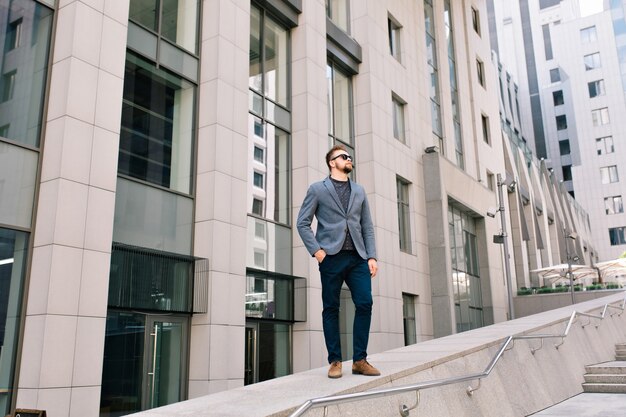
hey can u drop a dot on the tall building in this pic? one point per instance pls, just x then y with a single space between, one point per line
153 158
571 75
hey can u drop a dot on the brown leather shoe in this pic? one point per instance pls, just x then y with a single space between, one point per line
335 370
363 367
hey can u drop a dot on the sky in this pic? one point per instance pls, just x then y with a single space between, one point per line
589 7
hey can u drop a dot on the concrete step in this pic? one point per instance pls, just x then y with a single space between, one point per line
620 358
614 367
619 345
620 349
605 378
606 388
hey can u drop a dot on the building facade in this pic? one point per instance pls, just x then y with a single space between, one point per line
154 156
571 78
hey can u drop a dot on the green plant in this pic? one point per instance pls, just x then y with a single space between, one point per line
612 286
524 291
545 290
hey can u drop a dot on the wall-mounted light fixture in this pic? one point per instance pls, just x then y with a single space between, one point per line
431 149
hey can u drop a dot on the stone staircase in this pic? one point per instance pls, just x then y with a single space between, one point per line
608 377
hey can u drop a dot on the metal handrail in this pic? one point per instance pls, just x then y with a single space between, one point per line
404 410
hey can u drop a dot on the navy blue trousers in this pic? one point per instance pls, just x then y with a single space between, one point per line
348 267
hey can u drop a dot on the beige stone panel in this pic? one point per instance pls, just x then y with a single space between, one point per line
85 402
205 196
104 156
109 101
199 353
33 343
67 148
57 355
206 149
89 351
94 284
69 226
226 359
113 48
208 103
39 280
56 401
71 90
198 388
99 223
118 10
64 280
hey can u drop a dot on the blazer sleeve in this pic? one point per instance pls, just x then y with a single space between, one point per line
305 218
367 230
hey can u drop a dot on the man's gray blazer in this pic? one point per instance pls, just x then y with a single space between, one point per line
323 202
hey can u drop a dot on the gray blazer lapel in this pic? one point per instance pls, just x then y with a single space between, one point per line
333 193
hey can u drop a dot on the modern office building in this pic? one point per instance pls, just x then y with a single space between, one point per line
569 58
154 155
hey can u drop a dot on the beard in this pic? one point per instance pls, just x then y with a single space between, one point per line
347 169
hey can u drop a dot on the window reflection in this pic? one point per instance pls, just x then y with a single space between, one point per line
27 25
157 126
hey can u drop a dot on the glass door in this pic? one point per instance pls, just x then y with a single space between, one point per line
251 371
145 362
167 347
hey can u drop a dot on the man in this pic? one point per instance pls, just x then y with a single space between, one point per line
345 250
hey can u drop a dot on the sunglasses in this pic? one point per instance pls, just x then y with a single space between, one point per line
343 156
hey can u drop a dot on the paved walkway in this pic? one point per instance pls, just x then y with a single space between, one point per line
588 405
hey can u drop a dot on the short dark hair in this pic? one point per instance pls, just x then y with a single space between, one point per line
332 151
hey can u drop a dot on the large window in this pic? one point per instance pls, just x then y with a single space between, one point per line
600 117
13 253
156 138
340 118
337 12
433 69
466 284
409 319
614 205
557 98
617 236
592 61
564 147
588 34
174 20
394 30
596 88
268 244
404 214
454 93
609 174
26 27
561 122
605 145
397 107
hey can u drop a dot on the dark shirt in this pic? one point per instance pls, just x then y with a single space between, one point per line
343 191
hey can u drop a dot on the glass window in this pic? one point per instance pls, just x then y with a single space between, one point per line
18 172
177 20
564 148
609 174
13 254
271 253
337 11
592 61
547 42
408 319
617 236
476 20
340 111
393 29
151 217
596 88
398 119
561 122
480 69
557 97
156 138
605 145
485 125
588 34
24 68
269 193
269 296
567 172
454 94
600 117
259 154
543 4
555 75
404 214
614 205
433 69
258 179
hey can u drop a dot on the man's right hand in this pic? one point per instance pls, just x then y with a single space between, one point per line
320 255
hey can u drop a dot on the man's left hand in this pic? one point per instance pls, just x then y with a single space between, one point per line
373 265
